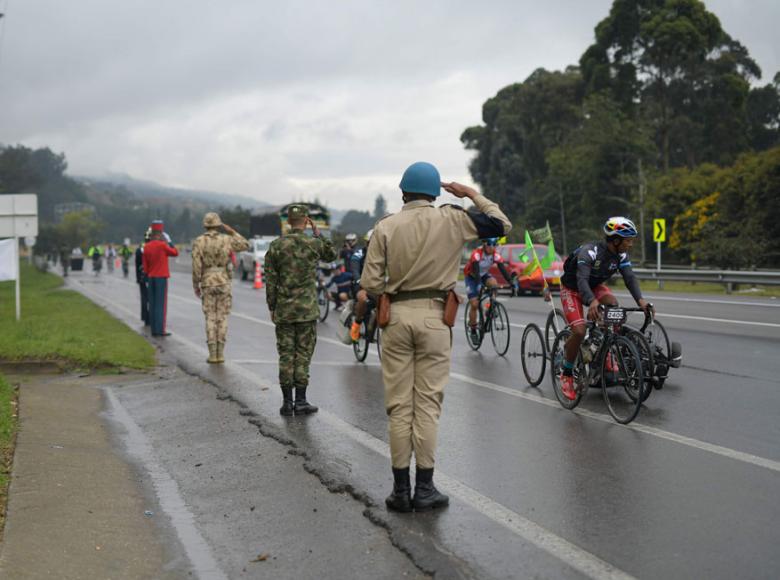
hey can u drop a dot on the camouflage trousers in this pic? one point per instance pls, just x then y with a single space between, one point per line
217 301
295 342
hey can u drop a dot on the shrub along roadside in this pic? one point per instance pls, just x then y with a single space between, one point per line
62 325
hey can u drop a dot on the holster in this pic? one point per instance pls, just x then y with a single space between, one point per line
451 305
383 310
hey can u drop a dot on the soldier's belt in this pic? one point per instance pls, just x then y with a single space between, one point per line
419 295
215 270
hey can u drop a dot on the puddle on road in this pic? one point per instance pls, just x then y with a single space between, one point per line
167 490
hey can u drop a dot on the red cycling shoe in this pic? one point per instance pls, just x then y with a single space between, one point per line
567 386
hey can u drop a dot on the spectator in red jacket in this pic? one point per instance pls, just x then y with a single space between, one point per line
155 264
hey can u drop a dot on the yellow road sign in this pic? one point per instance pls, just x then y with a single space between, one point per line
659 230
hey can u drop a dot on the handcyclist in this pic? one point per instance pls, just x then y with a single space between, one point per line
362 300
585 273
477 274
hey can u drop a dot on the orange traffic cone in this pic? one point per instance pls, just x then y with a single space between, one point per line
258 276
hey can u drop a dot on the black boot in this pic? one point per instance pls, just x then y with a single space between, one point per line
287 402
401 498
426 496
302 406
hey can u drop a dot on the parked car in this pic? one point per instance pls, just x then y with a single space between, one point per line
517 257
258 246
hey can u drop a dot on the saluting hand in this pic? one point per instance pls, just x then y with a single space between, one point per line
228 229
459 190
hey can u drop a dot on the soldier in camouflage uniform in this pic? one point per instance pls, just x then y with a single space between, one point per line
291 293
211 279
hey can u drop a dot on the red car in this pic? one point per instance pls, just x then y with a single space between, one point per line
516 259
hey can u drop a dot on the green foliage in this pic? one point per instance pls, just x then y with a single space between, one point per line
662 90
63 325
8 425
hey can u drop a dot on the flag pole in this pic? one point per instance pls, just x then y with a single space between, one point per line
547 291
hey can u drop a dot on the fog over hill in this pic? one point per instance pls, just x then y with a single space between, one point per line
149 189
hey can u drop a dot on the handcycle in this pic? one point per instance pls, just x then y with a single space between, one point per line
535 348
492 317
608 358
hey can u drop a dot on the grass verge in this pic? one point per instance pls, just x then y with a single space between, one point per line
62 325
8 419
707 288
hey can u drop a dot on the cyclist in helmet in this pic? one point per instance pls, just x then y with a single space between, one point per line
350 241
477 273
585 273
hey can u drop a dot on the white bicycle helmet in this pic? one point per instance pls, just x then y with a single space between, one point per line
620 226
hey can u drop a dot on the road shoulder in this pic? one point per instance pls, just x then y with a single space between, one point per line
76 508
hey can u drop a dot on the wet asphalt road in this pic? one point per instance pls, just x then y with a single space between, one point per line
688 490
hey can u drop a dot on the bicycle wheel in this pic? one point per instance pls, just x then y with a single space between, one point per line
361 346
621 378
323 303
662 351
499 329
555 323
556 362
648 361
533 355
474 344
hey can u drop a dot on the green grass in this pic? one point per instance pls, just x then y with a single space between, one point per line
707 288
8 421
62 325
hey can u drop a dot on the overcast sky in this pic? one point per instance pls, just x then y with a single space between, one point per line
288 99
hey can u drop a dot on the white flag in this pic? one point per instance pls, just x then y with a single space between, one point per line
8 259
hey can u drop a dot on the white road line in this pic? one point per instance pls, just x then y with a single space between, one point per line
635 426
168 494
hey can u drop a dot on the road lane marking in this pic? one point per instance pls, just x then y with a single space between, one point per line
168 493
604 418
726 320
703 300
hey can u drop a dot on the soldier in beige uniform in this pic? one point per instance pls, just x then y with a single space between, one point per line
211 279
414 257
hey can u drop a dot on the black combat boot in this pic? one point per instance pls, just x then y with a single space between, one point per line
287 402
401 498
426 496
302 406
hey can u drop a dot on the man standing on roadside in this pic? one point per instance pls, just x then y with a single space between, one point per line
141 278
155 263
211 279
414 256
291 294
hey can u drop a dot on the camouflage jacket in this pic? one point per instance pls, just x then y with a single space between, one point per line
211 256
291 275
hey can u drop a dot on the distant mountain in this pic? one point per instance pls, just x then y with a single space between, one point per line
151 190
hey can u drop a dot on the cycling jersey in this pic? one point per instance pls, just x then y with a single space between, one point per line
357 261
480 262
593 264
342 281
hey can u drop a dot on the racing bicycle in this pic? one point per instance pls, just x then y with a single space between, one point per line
369 333
492 317
607 358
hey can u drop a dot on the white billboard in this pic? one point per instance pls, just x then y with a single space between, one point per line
18 215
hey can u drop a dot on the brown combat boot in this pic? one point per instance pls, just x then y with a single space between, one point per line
220 352
212 353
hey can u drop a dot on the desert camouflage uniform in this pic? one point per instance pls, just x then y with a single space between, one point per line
291 294
210 259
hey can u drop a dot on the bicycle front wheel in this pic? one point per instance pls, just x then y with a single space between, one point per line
556 364
499 328
361 346
662 351
622 378
648 361
323 303
533 355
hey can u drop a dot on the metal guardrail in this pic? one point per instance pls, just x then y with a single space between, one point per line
726 277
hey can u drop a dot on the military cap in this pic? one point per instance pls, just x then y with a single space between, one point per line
297 211
211 220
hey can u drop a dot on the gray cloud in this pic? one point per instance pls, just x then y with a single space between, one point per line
281 99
